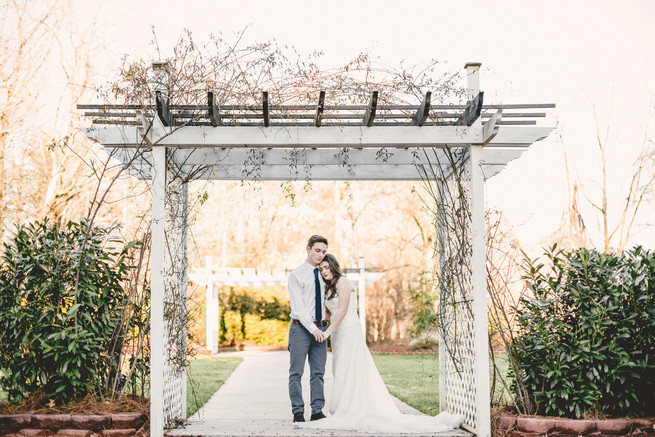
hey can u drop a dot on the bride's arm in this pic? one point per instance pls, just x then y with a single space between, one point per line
343 289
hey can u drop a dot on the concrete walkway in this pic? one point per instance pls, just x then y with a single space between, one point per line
254 401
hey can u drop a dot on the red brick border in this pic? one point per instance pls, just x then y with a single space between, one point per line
532 426
71 425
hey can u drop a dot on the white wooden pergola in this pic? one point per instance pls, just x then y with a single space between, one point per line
171 145
213 277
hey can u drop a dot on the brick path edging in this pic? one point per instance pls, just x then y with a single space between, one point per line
533 426
71 425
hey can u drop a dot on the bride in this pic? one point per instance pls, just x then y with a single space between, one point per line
360 400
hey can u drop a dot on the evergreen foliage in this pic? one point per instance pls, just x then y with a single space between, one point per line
60 301
587 333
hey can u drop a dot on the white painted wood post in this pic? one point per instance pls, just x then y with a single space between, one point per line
479 269
211 308
157 292
362 295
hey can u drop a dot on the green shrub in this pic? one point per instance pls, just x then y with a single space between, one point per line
60 296
424 313
587 334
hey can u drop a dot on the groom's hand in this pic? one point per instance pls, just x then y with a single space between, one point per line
319 336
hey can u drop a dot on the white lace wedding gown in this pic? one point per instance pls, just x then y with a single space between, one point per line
360 400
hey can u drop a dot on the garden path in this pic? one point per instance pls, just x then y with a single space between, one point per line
255 401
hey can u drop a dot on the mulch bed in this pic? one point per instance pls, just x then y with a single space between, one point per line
40 403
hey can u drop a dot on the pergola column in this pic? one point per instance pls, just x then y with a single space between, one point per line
168 295
479 272
157 291
211 308
464 345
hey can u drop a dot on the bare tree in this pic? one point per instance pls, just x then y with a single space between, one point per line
45 48
617 235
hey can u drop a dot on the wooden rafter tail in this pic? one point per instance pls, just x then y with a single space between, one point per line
267 118
423 111
143 127
491 127
369 116
162 109
472 111
212 108
320 108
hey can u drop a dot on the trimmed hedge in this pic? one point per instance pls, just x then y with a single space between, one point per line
248 317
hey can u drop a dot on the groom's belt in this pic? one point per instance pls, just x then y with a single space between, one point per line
319 324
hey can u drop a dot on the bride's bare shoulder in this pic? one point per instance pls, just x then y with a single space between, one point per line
345 284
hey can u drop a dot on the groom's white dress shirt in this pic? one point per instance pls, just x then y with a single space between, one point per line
302 295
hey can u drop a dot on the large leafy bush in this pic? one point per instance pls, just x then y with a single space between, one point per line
587 333
60 299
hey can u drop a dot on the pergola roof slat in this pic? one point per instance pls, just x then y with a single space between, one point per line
472 111
423 111
256 108
162 109
212 109
305 124
380 115
265 109
318 117
369 115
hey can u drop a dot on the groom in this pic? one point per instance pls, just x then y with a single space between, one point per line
306 337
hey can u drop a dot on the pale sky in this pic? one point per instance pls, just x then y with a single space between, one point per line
574 54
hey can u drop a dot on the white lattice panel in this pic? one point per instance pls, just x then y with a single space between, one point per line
457 352
175 295
174 379
459 377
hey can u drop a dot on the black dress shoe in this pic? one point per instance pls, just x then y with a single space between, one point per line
318 416
299 417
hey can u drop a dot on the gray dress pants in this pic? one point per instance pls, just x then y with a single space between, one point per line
302 346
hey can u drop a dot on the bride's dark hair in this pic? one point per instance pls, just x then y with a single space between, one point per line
333 265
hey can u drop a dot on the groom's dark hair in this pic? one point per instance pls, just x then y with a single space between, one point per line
316 239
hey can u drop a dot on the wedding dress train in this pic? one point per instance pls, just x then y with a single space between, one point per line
360 400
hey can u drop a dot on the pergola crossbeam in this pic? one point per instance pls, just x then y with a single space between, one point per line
323 137
319 164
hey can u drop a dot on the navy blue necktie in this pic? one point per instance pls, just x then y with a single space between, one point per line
319 303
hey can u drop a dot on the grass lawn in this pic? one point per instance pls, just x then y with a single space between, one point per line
206 375
414 379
